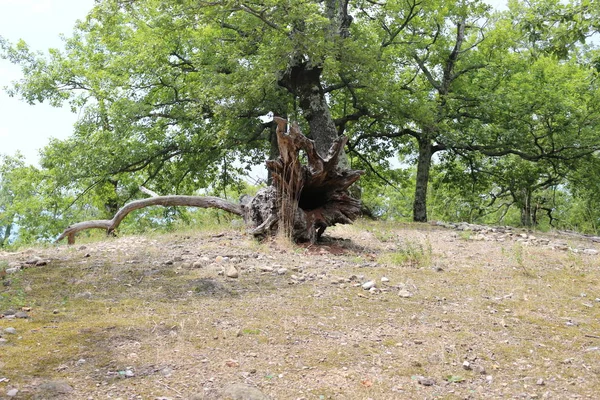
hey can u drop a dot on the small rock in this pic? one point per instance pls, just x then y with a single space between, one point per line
540 382
232 363
426 381
84 295
12 392
52 389
282 271
266 268
240 391
220 259
9 312
6 282
590 252
80 362
232 272
374 290
404 293
385 279
368 285
197 264
466 365
10 331
480 370
12 270
21 314
41 263
3 341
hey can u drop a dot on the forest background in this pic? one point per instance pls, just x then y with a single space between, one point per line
456 111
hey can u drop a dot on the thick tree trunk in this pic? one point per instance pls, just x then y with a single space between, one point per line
304 199
423 168
304 81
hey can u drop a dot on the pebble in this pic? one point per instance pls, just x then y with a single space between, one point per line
266 268
590 252
282 271
385 279
368 285
232 272
466 365
10 330
21 314
12 270
404 293
242 391
540 382
426 381
197 264
12 392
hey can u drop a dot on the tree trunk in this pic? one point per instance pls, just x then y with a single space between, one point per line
423 167
526 209
302 201
304 81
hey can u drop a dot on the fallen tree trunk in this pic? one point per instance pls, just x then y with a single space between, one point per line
167 201
301 203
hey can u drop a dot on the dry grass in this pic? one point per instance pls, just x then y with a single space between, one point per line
525 318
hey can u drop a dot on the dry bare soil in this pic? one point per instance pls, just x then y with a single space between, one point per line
454 315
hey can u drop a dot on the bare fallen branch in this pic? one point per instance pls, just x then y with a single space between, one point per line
165 201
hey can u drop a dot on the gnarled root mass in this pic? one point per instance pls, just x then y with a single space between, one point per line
302 202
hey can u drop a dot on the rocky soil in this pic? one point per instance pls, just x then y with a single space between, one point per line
377 311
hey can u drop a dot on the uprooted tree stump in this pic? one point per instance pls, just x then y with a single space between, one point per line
302 202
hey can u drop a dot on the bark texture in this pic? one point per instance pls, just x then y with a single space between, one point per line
304 199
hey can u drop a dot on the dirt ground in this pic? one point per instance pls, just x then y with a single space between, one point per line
451 315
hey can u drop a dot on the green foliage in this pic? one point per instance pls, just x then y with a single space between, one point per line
498 112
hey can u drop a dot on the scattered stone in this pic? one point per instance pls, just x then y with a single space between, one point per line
240 391
84 295
10 331
590 252
540 382
232 272
52 389
404 293
480 370
282 271
368 285
12 270
21 314
6 282
385 279
10 311
12 392
466 365
266 268
41 263
374 290
232 363
426 381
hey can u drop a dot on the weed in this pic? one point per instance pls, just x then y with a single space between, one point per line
519 259
412 254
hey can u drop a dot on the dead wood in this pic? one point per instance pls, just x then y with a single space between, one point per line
303 200
167 201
